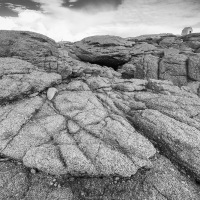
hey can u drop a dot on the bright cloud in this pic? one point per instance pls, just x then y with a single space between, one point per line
132 18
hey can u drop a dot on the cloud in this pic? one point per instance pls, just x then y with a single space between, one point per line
92 5
72 1
132 18
11 7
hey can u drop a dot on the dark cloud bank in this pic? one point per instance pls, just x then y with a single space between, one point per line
84 4
7 7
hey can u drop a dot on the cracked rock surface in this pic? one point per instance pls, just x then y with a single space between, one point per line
19 78
91 133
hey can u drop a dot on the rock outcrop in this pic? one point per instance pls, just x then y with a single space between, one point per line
104 50
35 48
164 56
91 132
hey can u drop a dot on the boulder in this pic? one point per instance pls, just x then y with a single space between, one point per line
105 50
32 47
35 48
163 181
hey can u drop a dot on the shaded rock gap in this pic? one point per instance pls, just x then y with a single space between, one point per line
61 157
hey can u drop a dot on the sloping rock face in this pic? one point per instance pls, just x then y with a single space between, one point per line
94 134
163 56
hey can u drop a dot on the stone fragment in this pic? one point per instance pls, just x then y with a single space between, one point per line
51 92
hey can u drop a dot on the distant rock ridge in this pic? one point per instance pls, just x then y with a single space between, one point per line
102 118
162 56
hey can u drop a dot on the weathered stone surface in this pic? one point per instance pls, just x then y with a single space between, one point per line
167 87
194 67
104 50
47 188
183 109
14 181
69 49
19 78
96 134
43 141
173 68
177 140
174 42
127 70
146 67
193 86
14 117
79 68
143 48
152 38
192 40
33 47
163 182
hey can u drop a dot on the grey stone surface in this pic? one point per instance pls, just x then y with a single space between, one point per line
91 133
146 67
174 68
194 67
19 78
35 48
14 181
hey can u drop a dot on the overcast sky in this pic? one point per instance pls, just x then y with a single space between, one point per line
72 20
